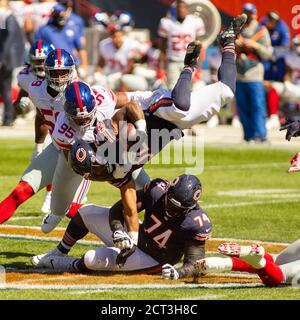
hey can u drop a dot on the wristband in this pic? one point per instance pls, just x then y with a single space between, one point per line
134 236
141 125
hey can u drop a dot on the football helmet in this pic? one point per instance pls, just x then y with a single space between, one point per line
182 195
59 69
38 54
80 105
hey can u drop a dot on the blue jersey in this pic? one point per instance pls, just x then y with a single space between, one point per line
162 238
66 38
280 36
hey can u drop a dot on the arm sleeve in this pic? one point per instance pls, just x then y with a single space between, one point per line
193 250
200 28
162 29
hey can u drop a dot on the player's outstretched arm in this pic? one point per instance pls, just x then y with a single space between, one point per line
193 251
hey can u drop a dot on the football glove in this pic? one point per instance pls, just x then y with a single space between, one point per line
293 129
122 240
169 272
124 255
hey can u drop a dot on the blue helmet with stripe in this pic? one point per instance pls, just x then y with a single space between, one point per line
38 54
182 195
59 69
80 105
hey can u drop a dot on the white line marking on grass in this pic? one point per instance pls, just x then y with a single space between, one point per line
231 166
25 218
117 287
255 192
46 239
16 226
249 203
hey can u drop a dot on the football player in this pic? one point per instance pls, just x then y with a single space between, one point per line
176 31
273 270
35 71
174 226
47 96
184 108
85 107
171 111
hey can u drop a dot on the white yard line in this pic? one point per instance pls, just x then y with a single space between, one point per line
249 203
46 239
117 287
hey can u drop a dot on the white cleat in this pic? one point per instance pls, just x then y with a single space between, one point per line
251 254
50 222
46 205
60 263
39 260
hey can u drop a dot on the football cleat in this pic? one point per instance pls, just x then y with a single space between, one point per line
295 163
59 263
250 254
192 54
230 249
38 261
50 222
229 35
46 205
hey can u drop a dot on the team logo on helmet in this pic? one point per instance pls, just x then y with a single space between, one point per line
81 154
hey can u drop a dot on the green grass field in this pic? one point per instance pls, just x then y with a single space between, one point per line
246 192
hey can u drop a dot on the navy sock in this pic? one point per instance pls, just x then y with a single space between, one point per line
181 94
227 70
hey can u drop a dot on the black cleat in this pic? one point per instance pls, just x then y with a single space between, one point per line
235 28
192 54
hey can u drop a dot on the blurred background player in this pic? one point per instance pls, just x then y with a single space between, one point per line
35 71
254 44
176 31
65 31
117 56
12 49
273 270
174 226
275 67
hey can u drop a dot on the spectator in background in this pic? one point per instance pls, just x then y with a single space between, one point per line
176 31
64 31
275 68
117 55
254 44
12 49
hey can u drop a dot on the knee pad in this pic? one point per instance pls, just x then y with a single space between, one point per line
89 259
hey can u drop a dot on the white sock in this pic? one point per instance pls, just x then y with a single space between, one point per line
215 264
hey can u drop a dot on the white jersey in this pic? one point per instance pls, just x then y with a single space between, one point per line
292 60
158 103
204 103
38 12
65 133
179 35
49 106
116 60
26 77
